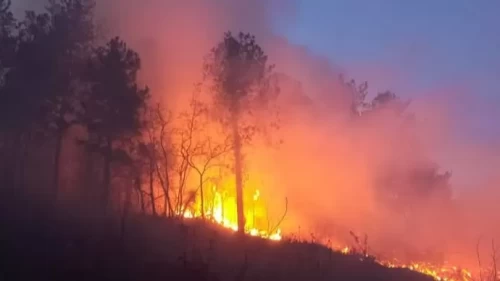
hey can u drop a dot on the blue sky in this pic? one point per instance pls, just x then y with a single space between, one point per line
411 47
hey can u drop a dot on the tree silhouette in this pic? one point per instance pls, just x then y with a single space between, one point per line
8 44
71 36
198 148
358 93
50 53
22 111
7 37
239 72
157 150
113 105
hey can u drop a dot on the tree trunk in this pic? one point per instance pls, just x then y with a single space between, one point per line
126 209
88 178
21 158
106 190
151 189
11 159
138 185
57 160
202 197
238 173
166 190
4 157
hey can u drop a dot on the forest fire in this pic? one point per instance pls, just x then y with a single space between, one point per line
222 211
443 272
440 273
211 125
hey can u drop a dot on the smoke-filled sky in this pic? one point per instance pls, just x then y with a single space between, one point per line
444 55
413 47
419 49
424 50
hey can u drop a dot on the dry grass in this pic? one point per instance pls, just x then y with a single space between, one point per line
42 243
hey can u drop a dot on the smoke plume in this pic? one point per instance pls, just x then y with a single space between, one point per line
329 167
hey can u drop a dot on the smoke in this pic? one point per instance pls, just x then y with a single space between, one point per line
329 166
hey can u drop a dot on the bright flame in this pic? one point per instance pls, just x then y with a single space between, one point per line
443 272
440 273
345 250
222 211
256 195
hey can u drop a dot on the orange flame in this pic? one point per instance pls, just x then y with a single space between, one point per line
223 213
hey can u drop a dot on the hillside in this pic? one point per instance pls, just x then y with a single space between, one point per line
39 242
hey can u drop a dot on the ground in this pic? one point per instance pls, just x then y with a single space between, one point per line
39 241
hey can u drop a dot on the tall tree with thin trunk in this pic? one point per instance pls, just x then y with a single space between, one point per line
199 147
72 35
8 42
238 72
114 103
51 51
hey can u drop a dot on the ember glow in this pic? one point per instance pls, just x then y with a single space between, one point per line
445 272
440 273
222 211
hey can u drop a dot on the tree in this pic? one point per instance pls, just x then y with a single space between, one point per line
113 105
8 42
401 190
239 72
199 149
72 35
23 110
50 53
357 94
7 37
158 152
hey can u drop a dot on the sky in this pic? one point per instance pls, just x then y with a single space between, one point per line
415 48
418 49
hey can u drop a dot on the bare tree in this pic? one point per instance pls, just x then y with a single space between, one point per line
204 149
490 273
159 152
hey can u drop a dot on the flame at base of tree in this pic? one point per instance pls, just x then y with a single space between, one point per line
222 211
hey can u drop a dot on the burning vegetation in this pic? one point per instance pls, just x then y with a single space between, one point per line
249 147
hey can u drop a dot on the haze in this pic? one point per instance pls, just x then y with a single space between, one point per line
327 167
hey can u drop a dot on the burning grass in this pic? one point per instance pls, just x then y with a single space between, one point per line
84 240
222 211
